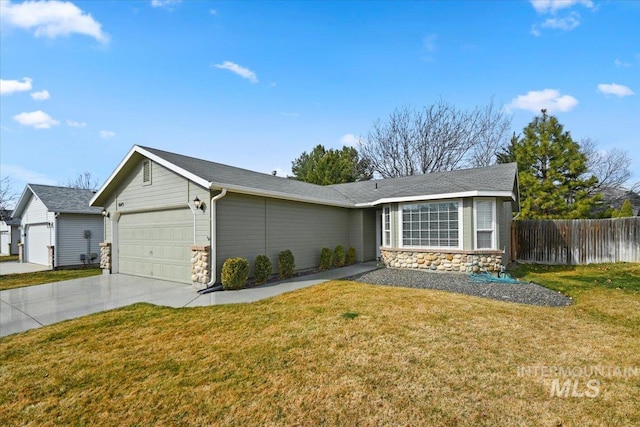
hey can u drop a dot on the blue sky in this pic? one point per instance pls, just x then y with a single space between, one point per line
254 84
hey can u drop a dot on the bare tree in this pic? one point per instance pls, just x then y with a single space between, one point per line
610 167
85 181
7 196
439 137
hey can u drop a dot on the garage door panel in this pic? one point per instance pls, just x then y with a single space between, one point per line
156 244
38 237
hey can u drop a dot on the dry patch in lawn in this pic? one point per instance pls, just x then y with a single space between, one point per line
341 353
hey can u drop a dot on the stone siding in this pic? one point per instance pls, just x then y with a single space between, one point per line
458 261
105 256
200 268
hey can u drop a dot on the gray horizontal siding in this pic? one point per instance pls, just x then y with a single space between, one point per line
249 226
70 240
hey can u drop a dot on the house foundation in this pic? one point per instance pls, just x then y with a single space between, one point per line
450 261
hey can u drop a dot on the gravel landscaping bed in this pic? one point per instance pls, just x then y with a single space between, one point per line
523 293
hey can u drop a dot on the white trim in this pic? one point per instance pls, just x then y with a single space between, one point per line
137 149
494 224
426 197
438 248
386 243
277 195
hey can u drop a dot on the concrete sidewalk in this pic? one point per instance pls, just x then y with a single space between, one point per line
30 307
15 267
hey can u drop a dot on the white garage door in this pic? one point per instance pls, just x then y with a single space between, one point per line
156 244
5 242
38 238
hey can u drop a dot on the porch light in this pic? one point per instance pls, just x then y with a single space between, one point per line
198 203
105 213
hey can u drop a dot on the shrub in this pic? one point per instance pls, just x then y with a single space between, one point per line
326 258
262 269
351 256
286 264
338 256
234 273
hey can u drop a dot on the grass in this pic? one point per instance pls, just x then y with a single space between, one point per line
12 281
340 353
6 258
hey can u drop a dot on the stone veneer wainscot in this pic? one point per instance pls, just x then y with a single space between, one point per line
453 260
200 272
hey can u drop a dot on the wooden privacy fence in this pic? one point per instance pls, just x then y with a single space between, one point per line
579 241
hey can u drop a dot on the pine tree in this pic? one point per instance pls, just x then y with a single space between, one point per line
625 211
551 167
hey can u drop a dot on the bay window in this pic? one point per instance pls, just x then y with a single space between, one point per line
485 214
432 225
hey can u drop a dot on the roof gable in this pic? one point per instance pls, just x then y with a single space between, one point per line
498 180
57 199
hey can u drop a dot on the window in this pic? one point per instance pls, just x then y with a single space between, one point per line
386 227
146 172
485 224
431 225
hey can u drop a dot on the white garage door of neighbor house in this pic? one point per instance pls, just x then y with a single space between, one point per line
38 238
4 242
156 244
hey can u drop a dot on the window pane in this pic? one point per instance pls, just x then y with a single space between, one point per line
484 212
485 239
430 225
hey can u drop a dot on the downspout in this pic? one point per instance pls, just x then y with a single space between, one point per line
214 244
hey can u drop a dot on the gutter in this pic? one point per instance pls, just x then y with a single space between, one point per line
214 244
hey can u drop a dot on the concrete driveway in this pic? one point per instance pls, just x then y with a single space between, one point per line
30 307
13 267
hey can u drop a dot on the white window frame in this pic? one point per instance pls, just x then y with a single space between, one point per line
493 229
440 248
386 231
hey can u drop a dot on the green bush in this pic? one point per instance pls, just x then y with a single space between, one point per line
286 264
351 256
326 258
262 269
234 273
338 256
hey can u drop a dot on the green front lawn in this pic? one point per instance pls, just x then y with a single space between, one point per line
340 353
11 281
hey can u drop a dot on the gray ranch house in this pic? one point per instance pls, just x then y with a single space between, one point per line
178 218
58 228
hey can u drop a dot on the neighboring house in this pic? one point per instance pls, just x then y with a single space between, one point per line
58 227
9 233
167 215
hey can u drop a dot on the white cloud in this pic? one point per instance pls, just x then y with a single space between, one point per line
168 4
552 6
73 124
20 173
107 134
429 42
213 12
548 99
615 89
7 87
535 31
621 64
566 24
51 19
286 114
40 96
350 140
37 119
243 72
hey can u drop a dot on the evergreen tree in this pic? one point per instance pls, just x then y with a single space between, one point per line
551 170
625 211
326 167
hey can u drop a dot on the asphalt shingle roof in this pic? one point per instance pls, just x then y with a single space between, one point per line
64 199
493 178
